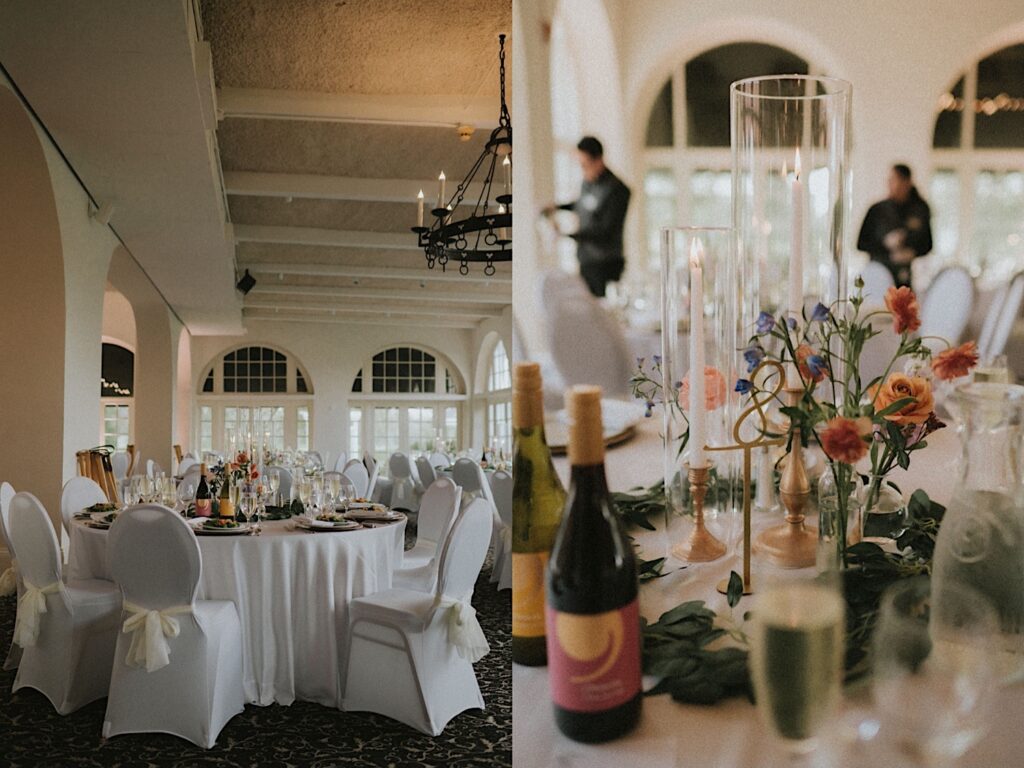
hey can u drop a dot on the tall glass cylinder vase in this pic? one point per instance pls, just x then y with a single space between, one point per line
791 192
698 303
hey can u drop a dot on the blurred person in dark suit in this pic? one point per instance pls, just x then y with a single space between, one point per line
898 229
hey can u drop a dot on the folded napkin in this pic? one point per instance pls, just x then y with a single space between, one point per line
9 580
31 606
149 630
464 630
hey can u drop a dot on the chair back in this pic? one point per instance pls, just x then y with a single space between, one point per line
501 489
400 467
1004 320
284 480
371 481
186 464
341 461
79 493
119 462
356 472
438 507
154 557
877 280
34 540
465 550
469 476
438 459
6 494
947 305
316 457
425 471
576 325
153 469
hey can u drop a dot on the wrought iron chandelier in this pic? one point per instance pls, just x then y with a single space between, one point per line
484 233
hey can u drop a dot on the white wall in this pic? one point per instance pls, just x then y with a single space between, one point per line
118 319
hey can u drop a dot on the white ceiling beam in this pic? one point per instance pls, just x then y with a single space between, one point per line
442 111
375 273
384 294
311 186
360 320
258 233
410 309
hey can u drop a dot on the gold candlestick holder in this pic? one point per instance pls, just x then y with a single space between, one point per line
791 544
701 546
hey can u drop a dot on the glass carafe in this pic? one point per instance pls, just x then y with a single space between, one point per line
981 539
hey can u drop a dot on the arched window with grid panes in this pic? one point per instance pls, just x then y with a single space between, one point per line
405 398
976 190
254 394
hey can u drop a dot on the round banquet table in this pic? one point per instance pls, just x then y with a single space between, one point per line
728 734
292 589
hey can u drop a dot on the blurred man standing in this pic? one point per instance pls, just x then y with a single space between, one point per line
601 209
898 229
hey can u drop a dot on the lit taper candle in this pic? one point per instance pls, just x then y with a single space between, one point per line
440 190
419 209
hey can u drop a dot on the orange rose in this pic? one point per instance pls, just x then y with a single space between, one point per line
906 314
715 389
844 439
956 361
899 386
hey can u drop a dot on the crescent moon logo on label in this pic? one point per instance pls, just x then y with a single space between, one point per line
588 639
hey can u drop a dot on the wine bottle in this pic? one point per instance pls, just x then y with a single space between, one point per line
226 508
537 502
593 618
204 502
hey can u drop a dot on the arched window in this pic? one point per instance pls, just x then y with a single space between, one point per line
687 160
404 399
499 398
117 386
976 189
254 394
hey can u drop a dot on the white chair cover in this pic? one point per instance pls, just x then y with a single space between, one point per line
284 488
119 463
186 464
425 471
501 541
67 631
877 280
947 306
1001 317
341 461
153 469
10 582
438 508
405 483
576 324
373 480
316 457
438 459
79 493
358 476
178 665
411 654
469 476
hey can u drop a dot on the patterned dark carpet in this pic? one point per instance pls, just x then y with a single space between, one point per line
304 734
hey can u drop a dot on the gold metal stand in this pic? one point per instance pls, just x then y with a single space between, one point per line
701 546
791 544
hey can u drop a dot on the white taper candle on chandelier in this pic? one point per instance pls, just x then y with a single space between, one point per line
502 231
506 166
419 209
440 190
697 410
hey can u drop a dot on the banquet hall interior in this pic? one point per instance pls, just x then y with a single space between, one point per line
213 256
679 98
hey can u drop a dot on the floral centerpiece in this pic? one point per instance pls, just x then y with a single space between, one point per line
241 467
883 419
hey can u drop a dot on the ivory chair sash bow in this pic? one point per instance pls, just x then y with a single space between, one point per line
149 630
464 630
31 605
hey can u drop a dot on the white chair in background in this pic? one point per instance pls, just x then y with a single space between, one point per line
377 488
469 476
426 472
186 464
438 508
946 308
1002 315
284 477
119 463
341 461
316 457
178 664
405 483
66 631
10 580
877 280
153 469
411 654
78 493
438 459
358 476
501 489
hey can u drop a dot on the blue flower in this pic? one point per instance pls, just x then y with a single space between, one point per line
649 409
791 322
753 355
820 313
743 386
816 365
656 359
765 323
640 362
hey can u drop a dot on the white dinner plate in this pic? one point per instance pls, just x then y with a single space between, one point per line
323 525
200 529
619 418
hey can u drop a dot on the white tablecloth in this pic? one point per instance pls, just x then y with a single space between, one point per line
292 590
728 735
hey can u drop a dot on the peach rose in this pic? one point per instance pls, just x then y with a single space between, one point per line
906 313
715 389
899 386
955 361
844 440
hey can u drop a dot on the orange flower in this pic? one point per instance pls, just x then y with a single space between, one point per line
818 373
955 361
899 386
715 390
906 313
844 439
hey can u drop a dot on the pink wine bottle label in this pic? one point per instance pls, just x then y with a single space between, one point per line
594 659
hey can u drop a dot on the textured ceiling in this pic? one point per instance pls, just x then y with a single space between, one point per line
358 46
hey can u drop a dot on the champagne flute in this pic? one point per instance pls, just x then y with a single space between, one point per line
274 482
334 487
305 491
170 493
247 502
796 658
234 491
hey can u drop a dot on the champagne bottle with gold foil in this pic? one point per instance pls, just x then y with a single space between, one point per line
593 618
537 502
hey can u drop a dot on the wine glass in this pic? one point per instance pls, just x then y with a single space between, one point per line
796 657
131 491
346 492
935 668
170 493
247 502
334 487
305 490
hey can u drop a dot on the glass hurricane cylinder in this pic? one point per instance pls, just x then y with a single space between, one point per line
699 262
791 192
